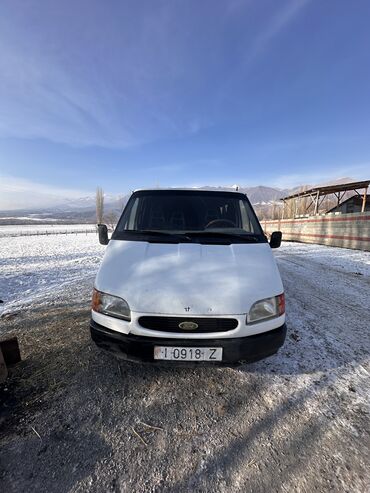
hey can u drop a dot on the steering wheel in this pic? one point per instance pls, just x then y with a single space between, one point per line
220 223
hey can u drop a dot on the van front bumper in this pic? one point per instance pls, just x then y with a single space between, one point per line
141 348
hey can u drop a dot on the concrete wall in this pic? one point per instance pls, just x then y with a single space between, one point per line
340 230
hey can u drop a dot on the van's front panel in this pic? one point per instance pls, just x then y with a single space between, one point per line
136 327
234 350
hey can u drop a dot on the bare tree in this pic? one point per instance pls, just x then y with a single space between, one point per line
111 219
99 205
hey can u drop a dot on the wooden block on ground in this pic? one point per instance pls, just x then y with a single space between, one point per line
3 368
10 351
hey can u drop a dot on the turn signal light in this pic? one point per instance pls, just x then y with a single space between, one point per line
281 304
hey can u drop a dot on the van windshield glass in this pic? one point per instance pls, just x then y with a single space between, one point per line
189 216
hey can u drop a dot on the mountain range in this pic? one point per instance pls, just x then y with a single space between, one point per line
82 210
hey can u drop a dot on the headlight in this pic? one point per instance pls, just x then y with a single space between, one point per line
110 305
267 308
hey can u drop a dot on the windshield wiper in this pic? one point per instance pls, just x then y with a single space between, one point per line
247 237
152 232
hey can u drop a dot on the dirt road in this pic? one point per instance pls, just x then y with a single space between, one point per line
74 419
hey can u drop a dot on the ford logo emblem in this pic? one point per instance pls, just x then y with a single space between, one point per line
188 325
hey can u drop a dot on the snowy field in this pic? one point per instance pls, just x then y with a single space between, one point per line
34 229
41 267
297 421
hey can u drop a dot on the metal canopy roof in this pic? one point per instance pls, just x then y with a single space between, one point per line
344 187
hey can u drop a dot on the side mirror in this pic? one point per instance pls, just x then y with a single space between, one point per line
103 234
275 240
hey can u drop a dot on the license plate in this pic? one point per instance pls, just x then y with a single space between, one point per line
188 353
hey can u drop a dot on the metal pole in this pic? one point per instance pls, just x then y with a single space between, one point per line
364 200
316 203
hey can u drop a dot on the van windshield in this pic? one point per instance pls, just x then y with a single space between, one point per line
189 216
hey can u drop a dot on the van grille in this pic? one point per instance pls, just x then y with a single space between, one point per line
171 324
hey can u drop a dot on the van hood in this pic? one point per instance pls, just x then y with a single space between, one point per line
189 278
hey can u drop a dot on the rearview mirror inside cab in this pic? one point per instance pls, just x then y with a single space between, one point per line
275 240
103 234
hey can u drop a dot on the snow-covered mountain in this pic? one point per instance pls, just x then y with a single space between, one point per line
86 202
67 211
257 195
264 195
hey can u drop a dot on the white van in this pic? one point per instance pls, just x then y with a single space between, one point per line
188 276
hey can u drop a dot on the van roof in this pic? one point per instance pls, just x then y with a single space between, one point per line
194 189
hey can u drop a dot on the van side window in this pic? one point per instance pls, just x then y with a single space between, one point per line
132 217
128 218
246 223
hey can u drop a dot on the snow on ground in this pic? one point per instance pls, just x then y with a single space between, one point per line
327 291
343 259
40 267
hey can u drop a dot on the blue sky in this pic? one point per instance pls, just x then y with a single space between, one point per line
126 94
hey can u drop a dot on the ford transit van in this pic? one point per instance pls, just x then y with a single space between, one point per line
188 276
